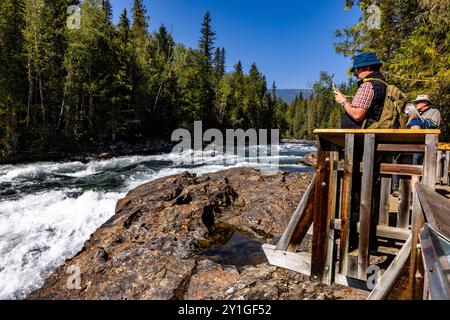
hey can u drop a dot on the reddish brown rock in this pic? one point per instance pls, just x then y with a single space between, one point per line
154 246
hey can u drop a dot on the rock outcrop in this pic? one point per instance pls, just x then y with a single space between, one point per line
190 237
310 159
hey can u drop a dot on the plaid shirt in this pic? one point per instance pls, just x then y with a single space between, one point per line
364 96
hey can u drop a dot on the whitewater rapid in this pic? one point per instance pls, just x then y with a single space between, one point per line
49 209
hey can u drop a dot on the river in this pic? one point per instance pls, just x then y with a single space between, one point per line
49 209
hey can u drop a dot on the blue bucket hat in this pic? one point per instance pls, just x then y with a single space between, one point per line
365 59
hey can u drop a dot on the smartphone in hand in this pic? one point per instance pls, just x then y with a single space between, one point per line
334 87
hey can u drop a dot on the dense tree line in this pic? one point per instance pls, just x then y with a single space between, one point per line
63 89
317 111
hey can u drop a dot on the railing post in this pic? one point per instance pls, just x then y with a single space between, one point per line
415 284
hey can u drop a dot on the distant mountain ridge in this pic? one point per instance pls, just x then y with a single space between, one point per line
288 95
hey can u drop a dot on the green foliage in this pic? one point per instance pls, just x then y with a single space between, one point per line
318 111
63 89
413 43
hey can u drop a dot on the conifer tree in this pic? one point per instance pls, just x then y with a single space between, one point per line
207 38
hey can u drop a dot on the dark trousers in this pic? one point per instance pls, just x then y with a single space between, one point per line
417 160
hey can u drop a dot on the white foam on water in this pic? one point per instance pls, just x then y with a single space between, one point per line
39 231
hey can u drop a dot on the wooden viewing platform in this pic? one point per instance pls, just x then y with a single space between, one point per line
348 203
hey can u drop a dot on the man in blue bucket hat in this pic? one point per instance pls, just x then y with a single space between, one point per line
367 105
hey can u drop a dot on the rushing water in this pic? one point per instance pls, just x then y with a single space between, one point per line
49 209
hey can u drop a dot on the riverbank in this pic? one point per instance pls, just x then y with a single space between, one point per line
193 237
145 146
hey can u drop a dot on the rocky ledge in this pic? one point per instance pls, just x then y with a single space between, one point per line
193 237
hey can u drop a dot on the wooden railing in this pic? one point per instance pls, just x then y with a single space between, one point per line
435 243
347 205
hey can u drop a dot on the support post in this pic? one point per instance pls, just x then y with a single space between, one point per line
404 203
320 227
365 212
346 202
415 283
385 200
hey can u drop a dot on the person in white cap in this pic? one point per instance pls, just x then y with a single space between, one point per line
422 115
430 115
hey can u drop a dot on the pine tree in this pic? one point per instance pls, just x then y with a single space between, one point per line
206 79
140 20
140 72
121 103
207 38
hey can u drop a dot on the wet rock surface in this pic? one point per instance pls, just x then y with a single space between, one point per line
189 237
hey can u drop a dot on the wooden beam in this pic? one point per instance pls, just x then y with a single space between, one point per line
415 284
405 132
299 261
328 276
300 221
429 161
404 204
401 169
385 201
304 227
391 168
399 136
365 212
387 281
416 225
346 202
383 231
436 208
439 167
444 146
406 148
446 166
320 226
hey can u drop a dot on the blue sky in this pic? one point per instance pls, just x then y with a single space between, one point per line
291 41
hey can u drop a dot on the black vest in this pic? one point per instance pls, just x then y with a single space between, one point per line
375 109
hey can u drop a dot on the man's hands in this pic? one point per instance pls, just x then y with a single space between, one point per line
339 97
